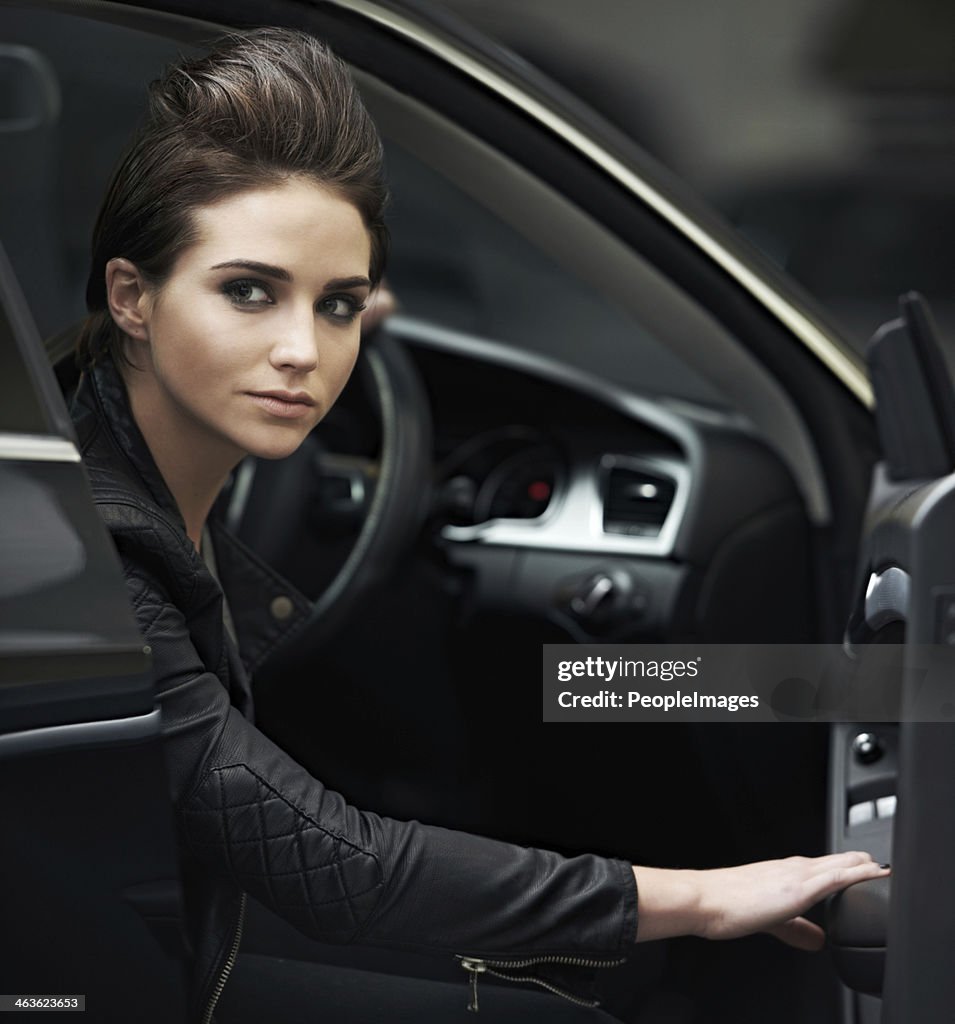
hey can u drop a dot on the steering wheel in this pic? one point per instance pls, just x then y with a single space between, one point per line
398 483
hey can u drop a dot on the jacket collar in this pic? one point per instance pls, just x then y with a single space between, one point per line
102 390
266 608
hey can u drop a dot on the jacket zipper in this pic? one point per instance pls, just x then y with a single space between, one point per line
476 966
228 965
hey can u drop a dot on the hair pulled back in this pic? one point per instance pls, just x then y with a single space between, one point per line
256 110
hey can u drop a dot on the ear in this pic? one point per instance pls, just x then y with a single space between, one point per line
128 298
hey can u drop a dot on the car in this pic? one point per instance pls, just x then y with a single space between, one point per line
600 416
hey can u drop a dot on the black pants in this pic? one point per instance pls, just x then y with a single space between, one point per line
281 977
265 989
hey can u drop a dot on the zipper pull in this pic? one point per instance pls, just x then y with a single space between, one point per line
474 967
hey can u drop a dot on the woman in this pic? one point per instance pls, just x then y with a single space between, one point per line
238 246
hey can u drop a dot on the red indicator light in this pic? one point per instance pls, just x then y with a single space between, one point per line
539 490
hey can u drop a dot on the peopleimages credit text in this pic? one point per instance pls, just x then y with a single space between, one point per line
663 671
747 683
666 701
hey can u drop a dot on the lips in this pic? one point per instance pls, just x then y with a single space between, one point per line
293 397
284 404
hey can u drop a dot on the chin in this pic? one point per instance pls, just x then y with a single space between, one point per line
279 447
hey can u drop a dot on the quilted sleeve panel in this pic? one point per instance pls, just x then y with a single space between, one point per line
295 846
247 809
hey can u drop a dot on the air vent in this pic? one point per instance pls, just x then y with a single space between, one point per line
636 501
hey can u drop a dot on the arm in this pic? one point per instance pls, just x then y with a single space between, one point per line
249 812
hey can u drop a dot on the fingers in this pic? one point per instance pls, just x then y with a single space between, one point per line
831 874
848 858
799 933
837 875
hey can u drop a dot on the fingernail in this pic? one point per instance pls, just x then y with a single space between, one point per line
885 866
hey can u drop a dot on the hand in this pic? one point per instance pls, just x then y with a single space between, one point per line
728 903
381 304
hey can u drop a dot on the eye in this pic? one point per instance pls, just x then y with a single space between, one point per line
247 292
343 308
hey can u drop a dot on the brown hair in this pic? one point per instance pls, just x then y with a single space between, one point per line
257 109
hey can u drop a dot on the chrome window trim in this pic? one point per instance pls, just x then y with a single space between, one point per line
36 448
842 364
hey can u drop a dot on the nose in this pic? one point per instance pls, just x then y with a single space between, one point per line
296 345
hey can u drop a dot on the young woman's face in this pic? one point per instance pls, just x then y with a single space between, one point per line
252 337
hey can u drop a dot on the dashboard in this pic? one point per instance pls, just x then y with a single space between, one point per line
562 498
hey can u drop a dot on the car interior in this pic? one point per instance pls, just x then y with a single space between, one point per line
577 428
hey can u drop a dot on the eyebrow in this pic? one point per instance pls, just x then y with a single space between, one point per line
281 274
348 282
265 269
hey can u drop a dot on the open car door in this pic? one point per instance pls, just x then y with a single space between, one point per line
90 890
893 787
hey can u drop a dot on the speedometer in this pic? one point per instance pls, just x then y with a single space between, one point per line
522 486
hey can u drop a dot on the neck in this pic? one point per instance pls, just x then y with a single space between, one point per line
194 464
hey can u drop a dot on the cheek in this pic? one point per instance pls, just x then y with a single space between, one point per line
189 346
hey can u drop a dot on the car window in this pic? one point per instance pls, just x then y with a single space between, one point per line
455 263
459 264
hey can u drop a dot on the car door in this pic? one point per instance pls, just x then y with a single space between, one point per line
90 889
895 937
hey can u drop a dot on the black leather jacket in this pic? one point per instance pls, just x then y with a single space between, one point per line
251 819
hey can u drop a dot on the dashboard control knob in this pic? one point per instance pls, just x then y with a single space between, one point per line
604 601
596 592
867 748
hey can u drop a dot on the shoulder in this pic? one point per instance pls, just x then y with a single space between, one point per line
155 554
154 550
152 545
